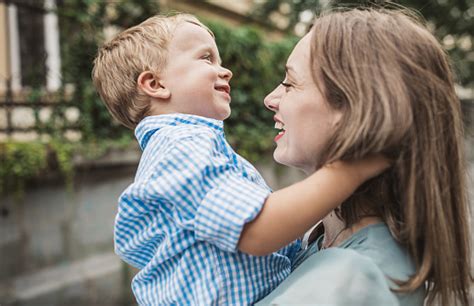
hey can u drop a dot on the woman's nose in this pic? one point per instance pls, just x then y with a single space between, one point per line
272 100
225 73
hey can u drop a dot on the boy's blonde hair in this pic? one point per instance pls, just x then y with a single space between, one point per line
120 61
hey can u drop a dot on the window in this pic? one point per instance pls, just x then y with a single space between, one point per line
31 41
34 44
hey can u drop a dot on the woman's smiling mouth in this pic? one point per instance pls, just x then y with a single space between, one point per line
279 126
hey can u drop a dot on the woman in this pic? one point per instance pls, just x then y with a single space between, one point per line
387 83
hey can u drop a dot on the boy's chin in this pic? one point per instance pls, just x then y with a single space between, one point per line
224 115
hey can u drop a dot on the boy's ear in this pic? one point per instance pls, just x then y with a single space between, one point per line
151 85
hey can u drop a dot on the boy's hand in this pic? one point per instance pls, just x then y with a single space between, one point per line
289 212
363 169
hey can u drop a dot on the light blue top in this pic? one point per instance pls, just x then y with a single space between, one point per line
356 273
179 222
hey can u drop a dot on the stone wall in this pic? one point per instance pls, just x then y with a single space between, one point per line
56 247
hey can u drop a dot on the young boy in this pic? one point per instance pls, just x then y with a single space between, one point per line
194 209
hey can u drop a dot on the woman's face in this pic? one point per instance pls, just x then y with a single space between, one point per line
302 115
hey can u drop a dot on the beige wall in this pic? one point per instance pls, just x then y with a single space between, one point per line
242 7
231 12
4 63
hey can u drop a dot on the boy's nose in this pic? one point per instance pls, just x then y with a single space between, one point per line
272 100
225 73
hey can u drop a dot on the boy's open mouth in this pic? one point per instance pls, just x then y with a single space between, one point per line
224 88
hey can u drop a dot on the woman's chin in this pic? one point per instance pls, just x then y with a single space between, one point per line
280 158
283 159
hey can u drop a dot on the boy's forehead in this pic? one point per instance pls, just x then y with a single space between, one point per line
188 35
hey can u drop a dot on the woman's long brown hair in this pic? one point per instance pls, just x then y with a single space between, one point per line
393 83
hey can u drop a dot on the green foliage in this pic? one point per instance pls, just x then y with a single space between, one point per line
63 153
257 66
20 161
449 19
82 27
23 161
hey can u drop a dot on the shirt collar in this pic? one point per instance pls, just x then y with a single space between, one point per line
149 125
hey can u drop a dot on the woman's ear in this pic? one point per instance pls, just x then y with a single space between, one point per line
150 84
337 115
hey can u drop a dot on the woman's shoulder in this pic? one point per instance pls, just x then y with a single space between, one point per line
376 243
358 272
334 277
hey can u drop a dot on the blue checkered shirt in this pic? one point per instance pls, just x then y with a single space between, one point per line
179 222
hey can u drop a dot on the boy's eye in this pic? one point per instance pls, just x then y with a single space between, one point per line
207 57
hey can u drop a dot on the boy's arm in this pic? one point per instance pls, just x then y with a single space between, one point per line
289 212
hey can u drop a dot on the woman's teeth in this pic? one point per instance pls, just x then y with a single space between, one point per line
279 126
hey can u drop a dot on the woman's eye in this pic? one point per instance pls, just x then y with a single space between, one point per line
286 85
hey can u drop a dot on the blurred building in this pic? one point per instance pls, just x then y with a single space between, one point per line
232 12
56 247
29 35
30 44
29 57
30 53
